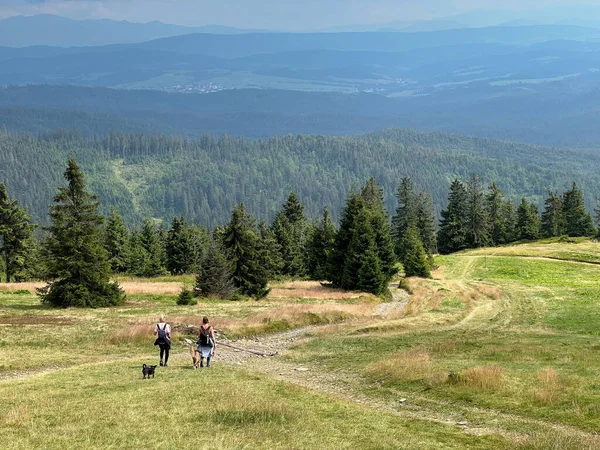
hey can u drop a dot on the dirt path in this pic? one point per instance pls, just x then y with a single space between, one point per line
350 386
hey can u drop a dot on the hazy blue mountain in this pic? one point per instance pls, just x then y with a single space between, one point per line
232 46
24 31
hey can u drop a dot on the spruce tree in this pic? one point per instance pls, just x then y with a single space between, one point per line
76 260
363 239
370 278
452 235
354 205
495 206
290 228
269 251
414 258
425 223
320 247
215 273
152 243
384 245
406 212
477 220
578 221
181 248
117 243
16 236
528 221
553 217
137 256
241 243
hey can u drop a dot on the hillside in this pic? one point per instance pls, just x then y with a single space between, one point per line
160 176
556 117
496 351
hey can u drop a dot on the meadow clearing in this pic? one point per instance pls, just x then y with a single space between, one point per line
499 350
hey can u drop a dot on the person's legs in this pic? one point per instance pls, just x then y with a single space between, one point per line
166 355
162 352
208 361
201 361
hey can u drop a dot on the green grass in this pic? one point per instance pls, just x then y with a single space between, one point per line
517 327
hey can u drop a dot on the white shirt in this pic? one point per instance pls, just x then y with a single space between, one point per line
162 327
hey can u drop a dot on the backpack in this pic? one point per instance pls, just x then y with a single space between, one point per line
204 338
162 333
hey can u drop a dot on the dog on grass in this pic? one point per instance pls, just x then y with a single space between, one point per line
192 349
147 371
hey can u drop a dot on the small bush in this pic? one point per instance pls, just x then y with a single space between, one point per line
186 297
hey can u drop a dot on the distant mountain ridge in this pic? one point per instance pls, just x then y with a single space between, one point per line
46 29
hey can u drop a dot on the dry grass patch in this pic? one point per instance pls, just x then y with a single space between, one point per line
411 366
551 388
131 334
130 287
484 377
292 316
424 297
312 289
558 440
37 320
492 292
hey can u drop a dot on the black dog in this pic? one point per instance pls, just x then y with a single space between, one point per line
148 370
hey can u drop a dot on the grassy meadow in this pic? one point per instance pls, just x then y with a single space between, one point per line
500 349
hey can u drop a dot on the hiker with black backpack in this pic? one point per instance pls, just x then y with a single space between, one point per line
163 332
206 343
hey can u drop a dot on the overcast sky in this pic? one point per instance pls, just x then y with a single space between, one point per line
274 14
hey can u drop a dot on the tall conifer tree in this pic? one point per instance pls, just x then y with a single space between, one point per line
320 247
452 235
496 213
528 221
16 236
290 228
477 222
241 242
181 248
578 221
76 260
553 217
117 243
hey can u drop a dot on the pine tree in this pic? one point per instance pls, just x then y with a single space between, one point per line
370 278
528 221
553 217
117 243
76 260
241 242
181 248
414 261
16 236
215 274
320 247
495 206
269 251
152 243
292 235
425 223
363 239
384 245
452 235
406 212
477 220
578 221
354 205
137 256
